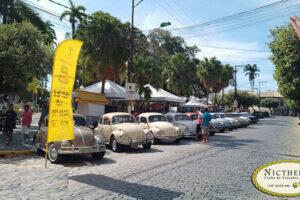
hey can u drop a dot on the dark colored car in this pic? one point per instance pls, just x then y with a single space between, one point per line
253 118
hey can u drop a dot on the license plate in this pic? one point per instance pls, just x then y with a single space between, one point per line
85 150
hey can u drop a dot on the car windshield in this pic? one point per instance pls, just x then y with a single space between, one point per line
222 115
214 116
182 118
157 118
79 121
231 115
123 119
194 116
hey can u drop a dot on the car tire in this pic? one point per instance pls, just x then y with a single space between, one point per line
147 146
98 155
222 131
53 155
177 141
212 133
114 145
156 141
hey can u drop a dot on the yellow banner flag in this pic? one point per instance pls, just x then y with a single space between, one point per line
61 124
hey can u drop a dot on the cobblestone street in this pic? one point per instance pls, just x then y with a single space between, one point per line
220 169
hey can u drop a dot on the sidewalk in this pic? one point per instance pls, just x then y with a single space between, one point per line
18 147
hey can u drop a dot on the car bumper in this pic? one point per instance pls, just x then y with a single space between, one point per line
82 150
135 143
169 138
189 134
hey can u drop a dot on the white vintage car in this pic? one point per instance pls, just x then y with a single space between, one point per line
159 126
184 122
122 129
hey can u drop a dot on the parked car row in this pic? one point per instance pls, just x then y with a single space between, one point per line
119 129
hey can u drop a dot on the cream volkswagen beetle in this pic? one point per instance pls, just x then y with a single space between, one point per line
120 128
159 126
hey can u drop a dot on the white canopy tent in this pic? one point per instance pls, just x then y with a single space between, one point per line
112 90
162 95
194 103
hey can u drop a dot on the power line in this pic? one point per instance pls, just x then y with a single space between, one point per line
235 49
236 16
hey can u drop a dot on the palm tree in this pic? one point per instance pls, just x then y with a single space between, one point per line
104 51
17 10
252 72
227 75
50 32
34 87
75 14
210 75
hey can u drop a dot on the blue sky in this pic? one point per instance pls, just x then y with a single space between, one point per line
182 13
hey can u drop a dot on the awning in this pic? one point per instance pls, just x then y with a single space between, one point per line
162 95
91 97
194 103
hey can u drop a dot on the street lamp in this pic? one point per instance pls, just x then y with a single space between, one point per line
164 24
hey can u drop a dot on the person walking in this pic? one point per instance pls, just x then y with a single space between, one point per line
26 122
206 118
10 123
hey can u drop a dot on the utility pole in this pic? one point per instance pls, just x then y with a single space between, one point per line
131 46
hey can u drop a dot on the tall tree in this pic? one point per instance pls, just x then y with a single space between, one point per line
23 56
104 51
209 72
252 72
75 14
285 49
227 75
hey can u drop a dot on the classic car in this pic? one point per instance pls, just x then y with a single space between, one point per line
159 126
216 126
233 121
253 118
242 122
85 142
120 129
227 123
184 123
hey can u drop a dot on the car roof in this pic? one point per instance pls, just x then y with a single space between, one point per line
147 114
112 114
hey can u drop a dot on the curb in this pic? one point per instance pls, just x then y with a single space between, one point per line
12 153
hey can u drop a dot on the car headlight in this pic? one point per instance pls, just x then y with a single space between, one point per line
98 139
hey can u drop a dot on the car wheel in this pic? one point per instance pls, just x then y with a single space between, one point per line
222 131
147 146
53 155
98 155
156 141
177 141
212 133
115 146
36 149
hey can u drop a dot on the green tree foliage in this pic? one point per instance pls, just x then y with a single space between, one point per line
252 72
245 99
104 51
75 14
23 56
181 74
18 11
269 103
285 49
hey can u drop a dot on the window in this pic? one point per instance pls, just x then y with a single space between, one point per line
100 120
194 116
123 119
157 118
170 118
106 121
79 121
143 120
182 118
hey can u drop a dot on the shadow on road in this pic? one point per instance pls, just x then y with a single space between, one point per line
84 160
136 150
228 141
133 190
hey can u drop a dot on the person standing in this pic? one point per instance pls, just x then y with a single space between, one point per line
26 122
206 118
10 123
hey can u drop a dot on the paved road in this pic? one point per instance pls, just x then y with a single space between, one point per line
191 170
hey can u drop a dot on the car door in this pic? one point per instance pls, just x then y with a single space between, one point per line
143 122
